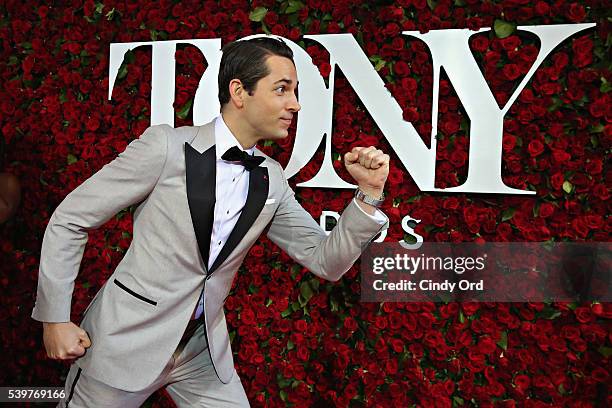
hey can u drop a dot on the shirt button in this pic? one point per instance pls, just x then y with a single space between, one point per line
219 242
234 179
227 212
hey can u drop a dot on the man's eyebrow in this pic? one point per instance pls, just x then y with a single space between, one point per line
287 80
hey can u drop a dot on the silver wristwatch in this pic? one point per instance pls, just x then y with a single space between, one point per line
376 202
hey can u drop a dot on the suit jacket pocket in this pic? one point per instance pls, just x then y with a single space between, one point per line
136 295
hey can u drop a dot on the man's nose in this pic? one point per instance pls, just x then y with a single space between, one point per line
294 105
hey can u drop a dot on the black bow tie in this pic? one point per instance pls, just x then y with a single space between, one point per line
234 154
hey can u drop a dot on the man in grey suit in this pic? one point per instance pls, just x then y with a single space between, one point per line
206 194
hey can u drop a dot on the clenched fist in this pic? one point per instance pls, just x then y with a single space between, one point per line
65 341
369 167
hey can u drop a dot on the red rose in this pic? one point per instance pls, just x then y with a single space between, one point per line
522 382
508 142
542 8
535 148
583 51
557 181
601 192
560 156
600 375
480 43
546 210
458 158
583 314
401 68
600 107
325 69
511 71
350 324
247 316
511 43
576 12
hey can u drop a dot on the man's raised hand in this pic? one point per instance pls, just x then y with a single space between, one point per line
369 167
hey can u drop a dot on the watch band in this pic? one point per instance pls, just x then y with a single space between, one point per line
376 202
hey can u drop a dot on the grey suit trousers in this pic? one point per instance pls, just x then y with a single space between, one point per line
189 378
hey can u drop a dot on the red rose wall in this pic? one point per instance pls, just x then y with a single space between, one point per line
300 341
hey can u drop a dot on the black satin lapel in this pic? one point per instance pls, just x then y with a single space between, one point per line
256 199
201 173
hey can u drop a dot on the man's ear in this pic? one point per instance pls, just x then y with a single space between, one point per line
237 93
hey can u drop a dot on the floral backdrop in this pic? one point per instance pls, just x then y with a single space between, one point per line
300 341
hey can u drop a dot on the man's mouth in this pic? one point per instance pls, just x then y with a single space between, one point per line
287 121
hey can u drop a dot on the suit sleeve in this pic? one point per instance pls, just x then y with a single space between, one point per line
125 181
327 256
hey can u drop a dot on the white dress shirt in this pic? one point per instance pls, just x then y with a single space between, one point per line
231 190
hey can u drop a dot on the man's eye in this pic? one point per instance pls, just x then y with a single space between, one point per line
280 89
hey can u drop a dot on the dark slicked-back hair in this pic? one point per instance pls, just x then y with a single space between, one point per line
246 60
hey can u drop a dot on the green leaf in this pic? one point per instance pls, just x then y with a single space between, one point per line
508 214
294 6
284 382
378 62
461 317
307 290
265 28
184 111
290 345
99 7
293 20
457 401
605 351
567 187
503 341
258 14
519 141
598 128
557 103
287 312
605 86
71 159
110 14
549 313
123 70
432 4
503 28
62 95
334 306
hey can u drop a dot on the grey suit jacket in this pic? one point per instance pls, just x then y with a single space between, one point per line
136 320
